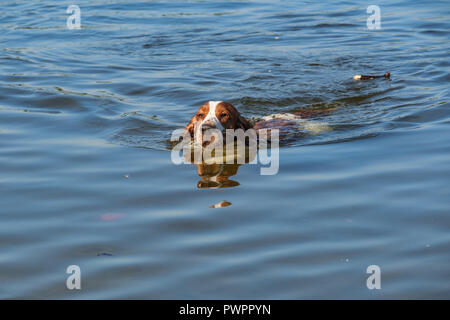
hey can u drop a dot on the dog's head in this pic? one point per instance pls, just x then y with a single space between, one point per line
217 115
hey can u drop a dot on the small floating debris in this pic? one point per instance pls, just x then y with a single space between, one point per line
221 204
104 254
357 77
127 176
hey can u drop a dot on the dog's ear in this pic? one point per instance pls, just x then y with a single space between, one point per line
190 127
243 123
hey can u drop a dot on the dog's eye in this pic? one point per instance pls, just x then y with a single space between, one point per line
223 115
201 115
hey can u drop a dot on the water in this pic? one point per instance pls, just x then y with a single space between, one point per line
86 177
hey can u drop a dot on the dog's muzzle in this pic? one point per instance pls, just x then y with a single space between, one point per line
208 125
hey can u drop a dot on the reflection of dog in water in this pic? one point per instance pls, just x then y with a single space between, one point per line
216 175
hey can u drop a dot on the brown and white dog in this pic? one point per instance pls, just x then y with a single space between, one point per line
218 115
222 115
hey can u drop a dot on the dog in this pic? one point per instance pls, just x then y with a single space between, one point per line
218 115
221 115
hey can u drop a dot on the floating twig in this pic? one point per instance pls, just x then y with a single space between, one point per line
387 75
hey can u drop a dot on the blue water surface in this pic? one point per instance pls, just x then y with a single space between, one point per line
86 173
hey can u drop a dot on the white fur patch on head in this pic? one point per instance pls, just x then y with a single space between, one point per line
210 117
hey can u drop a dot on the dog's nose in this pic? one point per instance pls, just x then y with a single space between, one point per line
208 125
